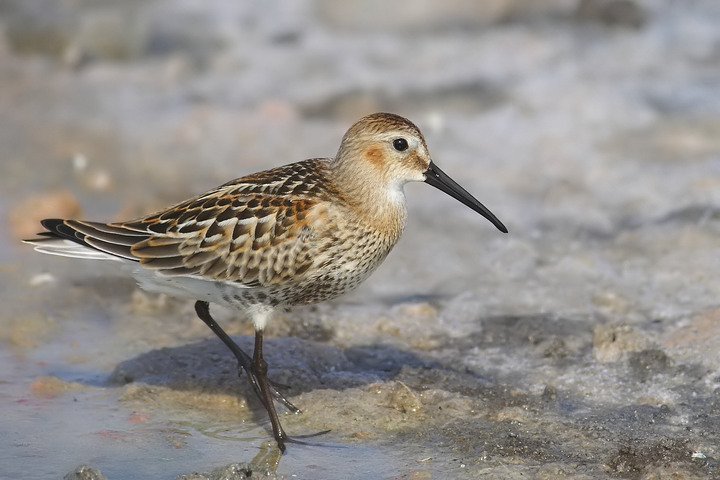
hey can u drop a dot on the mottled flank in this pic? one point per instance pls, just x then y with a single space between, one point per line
298 234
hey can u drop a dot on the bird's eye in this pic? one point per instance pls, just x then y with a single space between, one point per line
400 144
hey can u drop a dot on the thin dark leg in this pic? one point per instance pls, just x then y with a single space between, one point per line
259 369
203 311
244 361
256 369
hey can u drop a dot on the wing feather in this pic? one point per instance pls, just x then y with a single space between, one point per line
252 231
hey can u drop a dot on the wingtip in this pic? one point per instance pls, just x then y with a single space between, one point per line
51 224
40 236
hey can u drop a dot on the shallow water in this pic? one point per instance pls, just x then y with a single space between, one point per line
64 412
96 431
581 345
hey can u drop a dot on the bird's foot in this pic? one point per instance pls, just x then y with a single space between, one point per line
296 439
272 387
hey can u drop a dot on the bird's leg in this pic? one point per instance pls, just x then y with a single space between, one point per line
203 311
259 370
256 369
245 362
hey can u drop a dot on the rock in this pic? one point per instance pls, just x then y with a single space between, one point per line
614 341
85 472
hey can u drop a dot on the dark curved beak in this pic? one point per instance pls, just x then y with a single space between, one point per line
439 179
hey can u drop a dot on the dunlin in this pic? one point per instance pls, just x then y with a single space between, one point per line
298 234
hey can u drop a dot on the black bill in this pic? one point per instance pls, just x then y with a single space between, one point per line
439 179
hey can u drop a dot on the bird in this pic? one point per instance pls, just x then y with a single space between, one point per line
298 234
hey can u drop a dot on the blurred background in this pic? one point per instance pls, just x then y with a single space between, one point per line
186 94
591 128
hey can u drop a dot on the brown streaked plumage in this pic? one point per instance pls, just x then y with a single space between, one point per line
302 233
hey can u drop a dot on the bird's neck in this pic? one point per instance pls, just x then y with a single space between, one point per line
381 207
